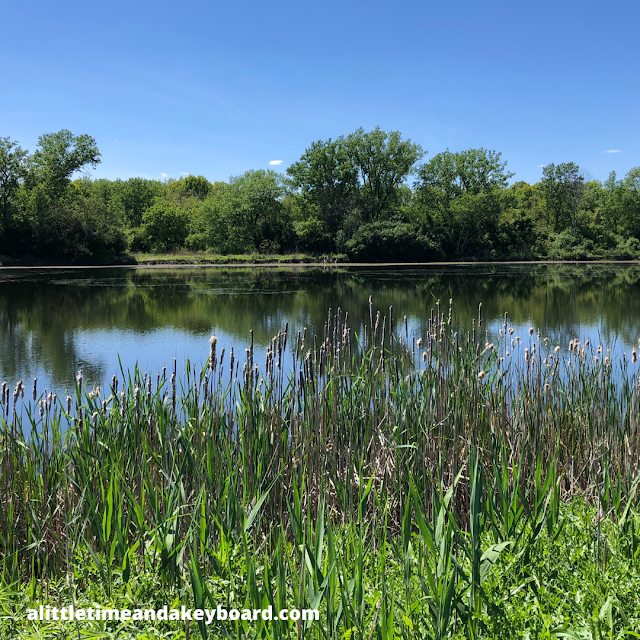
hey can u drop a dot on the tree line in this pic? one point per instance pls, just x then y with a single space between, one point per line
367 196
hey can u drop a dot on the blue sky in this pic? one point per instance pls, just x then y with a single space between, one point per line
217 88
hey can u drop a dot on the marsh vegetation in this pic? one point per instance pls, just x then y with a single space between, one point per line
409 486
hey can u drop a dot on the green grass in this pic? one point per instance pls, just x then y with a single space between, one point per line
205 257
408 487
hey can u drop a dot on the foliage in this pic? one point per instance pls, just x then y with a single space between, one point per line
13 169
343 195
447 176
165 225
391 241
504 505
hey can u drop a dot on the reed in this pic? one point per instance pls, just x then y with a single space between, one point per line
382 479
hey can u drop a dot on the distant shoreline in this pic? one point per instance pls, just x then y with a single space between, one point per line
192 261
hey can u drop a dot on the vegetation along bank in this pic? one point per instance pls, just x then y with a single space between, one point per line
416 487
365 197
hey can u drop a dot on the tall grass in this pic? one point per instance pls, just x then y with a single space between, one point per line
246 484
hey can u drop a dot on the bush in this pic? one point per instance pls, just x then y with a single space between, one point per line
166 226
391 241
312 235
197 241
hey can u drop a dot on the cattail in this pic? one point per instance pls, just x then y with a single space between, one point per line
526 355
530 331
489 346
634 356
35 384
424 356
173 392
79 378
212 353
41 409
69 404
123 403
481 375
136 400
556 349
419 343
480 315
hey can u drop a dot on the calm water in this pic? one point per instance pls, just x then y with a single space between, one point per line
54 322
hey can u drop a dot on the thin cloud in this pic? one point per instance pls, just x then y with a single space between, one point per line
541 166
164 175
614 151
272 162
183 173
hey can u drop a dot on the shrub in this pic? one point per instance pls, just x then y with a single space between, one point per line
391 241
166 226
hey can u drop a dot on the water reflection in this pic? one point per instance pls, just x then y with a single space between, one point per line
55 321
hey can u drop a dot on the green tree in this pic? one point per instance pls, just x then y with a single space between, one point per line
449 175
327 180
134 196
58 157
247 214
563 188
383 161
13 169
166 226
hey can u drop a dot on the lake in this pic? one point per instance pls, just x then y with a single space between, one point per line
56 321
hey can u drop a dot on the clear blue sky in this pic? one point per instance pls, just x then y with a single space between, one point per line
217 88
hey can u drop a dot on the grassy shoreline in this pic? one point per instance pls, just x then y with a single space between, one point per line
411 487
194 259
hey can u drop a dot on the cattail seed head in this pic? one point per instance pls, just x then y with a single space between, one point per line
212 352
